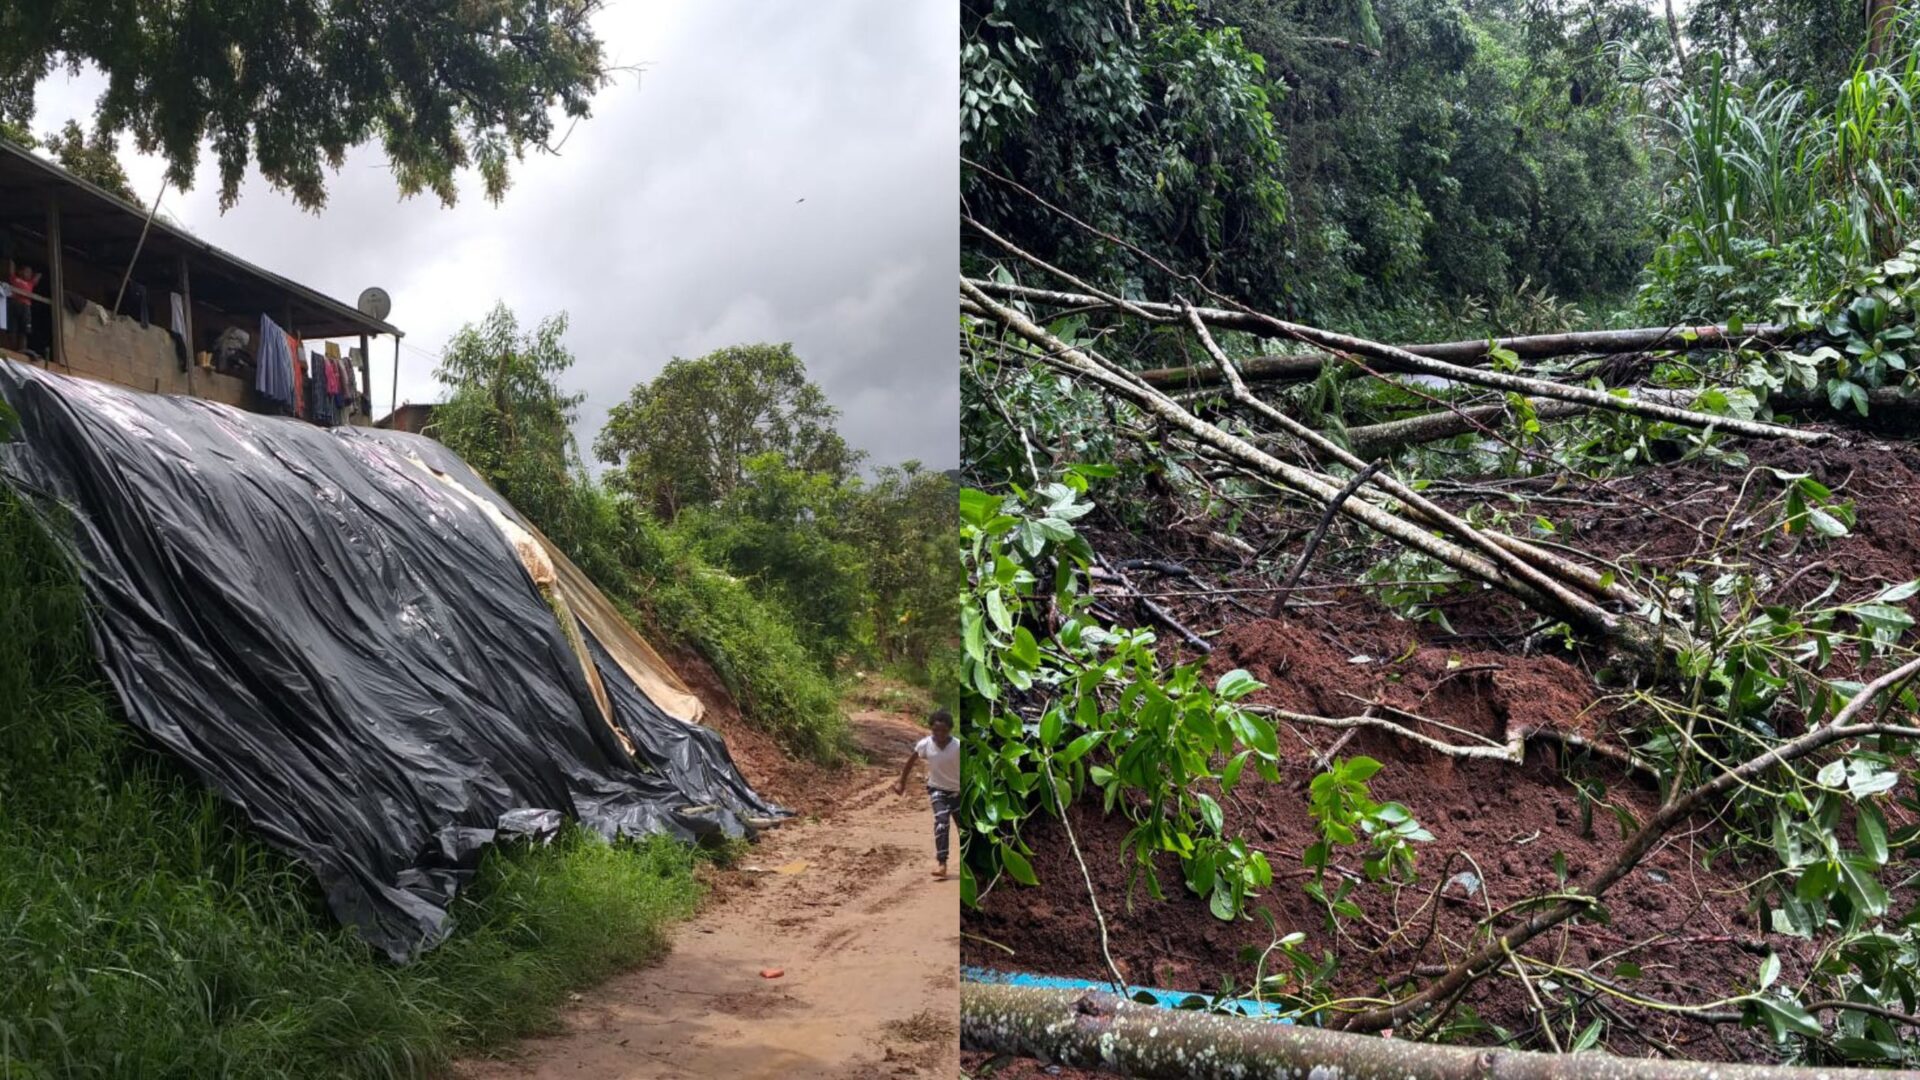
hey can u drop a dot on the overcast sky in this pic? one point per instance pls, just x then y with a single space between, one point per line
671 223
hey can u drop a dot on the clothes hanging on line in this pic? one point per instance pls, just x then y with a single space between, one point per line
273 364
298 380
320 408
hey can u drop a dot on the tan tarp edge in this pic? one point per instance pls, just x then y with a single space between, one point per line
638 659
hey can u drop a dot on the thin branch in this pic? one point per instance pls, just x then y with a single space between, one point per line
1319 532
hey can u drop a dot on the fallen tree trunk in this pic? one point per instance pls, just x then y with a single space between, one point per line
1402 360
1372 440
1313 485
1539 569
1467 353
1094 1030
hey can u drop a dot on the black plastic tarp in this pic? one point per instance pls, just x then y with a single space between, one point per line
345 646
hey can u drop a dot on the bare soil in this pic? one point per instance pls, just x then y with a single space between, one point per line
839 900
1683 916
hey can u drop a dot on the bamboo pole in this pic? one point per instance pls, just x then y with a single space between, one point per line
56 283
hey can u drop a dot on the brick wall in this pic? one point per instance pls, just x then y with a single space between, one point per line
120 350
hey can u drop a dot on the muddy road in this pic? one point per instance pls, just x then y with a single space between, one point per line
841 901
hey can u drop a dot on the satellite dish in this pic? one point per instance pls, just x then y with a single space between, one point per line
374 302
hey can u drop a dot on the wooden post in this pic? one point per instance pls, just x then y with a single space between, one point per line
56 281
395 396
185 281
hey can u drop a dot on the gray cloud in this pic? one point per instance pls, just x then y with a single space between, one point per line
671 224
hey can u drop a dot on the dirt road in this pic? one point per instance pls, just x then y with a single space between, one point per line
843 903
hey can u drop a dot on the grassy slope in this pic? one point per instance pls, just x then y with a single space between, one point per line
643 567
145 932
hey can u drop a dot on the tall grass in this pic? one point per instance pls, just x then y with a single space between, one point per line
145 931
1771 192
646 568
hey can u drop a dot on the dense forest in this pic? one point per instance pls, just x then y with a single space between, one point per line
1440 554
1423 168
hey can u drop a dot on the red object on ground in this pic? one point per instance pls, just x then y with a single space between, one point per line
771 973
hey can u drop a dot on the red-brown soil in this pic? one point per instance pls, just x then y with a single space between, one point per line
840 902
805 787
1682 916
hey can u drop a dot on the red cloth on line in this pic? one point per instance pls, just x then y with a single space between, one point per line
299 377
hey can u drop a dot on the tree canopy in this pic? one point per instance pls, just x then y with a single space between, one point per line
685 438
507 415
290 86
1355 163
92 159
731 463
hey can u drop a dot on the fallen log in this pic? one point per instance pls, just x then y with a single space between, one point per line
1402 360
1466 353
1313 485
1884 403
1095 1030
1539 569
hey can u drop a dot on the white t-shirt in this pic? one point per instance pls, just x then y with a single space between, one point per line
943 763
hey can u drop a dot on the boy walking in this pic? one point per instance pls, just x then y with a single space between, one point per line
941 752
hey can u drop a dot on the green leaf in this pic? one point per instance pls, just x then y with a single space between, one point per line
978 507
1255 731
1899 592
1783 1018
1360 769
1230 776
1862 887
1078 748
1050 728
1236 684
1825 524
997 611
1221 902
973 634
1017 866
1832 774
1210 812
1769 970
1024 649
1871 829
1884 615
